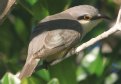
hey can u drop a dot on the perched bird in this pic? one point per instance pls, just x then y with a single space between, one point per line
57 34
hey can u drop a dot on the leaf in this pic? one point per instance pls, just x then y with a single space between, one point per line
44 8
55 6
64 71
54 81
31 2
39 11
44 74
93 62
9 78
20 28
81 74
112 78
30 80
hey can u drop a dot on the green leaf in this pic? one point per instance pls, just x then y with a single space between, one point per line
30 80
81 74
97 66
112 78
31 2
39 11
55 6
44 8
94 62
64 71
44 74
54 81
20 28
9 78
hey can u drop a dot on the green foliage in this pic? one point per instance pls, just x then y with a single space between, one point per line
54 81
64 71
44 74
97 66
9 78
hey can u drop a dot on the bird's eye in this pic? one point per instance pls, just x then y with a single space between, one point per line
86 17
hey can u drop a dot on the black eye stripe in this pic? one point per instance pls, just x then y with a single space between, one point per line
93 18
84 17
81 17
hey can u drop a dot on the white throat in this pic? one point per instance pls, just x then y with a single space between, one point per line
88 24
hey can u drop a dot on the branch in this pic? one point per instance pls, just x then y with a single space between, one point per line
5 7
115 28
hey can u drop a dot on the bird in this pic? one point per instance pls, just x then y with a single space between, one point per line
57 34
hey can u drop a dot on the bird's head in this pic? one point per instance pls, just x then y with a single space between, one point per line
88 16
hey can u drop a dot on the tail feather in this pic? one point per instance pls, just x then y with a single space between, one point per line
28 68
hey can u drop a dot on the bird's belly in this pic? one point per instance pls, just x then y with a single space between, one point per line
56 56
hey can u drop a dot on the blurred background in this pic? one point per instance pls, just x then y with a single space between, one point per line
98 64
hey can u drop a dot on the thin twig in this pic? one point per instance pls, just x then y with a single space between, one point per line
5 7
112 30
118 17
25 7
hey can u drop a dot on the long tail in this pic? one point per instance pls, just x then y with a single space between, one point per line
28 68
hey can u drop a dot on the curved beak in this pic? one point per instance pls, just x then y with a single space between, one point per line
101 16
